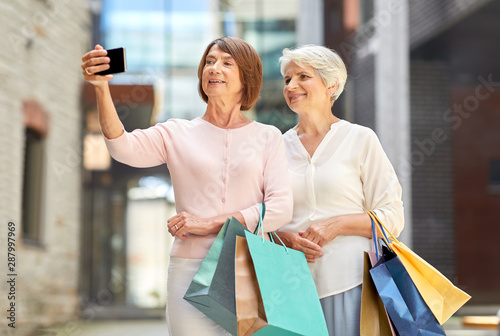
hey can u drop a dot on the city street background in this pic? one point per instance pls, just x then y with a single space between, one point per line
87 235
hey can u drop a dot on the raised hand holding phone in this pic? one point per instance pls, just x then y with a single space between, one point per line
99 64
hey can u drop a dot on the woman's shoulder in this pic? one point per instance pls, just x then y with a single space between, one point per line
359 131
289 135
266 129
175 124
342 128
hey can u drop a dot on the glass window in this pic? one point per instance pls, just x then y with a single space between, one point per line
32 185
494 181
495 172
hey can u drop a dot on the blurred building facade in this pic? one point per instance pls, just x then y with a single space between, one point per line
423 75
40 150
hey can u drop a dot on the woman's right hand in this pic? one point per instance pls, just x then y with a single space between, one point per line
295 241
95 61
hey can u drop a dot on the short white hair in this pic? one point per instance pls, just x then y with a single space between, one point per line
327 63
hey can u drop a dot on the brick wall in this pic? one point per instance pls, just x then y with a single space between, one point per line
40 55
432 164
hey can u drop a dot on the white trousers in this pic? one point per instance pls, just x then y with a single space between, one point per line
184 319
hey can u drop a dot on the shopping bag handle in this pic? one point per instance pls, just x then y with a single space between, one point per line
260 226
374 237
281 241
383 229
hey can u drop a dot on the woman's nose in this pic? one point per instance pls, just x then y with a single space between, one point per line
292 85
215 68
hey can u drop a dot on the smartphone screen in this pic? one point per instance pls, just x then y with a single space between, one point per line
117 63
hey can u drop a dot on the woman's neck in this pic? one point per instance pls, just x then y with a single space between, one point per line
315 123
312 129
225 116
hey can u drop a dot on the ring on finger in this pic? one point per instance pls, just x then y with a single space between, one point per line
176 228
87 71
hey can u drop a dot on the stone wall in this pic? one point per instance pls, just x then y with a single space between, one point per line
40 55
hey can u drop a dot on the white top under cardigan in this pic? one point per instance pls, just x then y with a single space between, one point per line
349 173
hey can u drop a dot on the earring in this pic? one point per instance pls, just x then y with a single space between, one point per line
329 93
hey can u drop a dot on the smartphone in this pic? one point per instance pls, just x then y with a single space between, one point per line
117 64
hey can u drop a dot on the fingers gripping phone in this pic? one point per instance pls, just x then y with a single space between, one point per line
117 64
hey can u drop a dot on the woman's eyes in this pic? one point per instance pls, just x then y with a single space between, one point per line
287 80
212 62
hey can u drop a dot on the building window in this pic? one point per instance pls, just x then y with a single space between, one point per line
494 185
32 185
36 123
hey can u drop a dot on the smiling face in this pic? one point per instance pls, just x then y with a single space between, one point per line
304 89
221 75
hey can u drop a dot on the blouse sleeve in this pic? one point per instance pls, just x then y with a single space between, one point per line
277 189
381 186
142 148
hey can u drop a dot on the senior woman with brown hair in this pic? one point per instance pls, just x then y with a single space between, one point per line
339 171
221 164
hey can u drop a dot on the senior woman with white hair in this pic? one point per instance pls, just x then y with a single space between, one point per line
339 171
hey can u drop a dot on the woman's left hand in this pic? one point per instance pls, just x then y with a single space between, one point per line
311 251
327 230
184 223
322 232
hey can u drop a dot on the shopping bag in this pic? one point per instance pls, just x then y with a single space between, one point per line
374 319
250 312
408 311
442 297
289 299
212 289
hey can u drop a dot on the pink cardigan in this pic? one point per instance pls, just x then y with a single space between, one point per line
214 171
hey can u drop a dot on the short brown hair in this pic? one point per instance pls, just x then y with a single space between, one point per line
249 64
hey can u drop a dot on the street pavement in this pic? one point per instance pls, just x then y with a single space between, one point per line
141 327
158 327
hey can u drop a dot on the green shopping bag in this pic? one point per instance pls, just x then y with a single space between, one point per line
212 289
285 291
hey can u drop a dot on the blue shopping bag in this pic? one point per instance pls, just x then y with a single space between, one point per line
405 306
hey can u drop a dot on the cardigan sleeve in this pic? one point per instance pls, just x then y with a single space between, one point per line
381 186
143 147
278 196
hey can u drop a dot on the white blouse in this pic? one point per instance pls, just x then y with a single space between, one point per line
349 173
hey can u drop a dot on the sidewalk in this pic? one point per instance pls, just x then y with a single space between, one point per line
454 327
157 327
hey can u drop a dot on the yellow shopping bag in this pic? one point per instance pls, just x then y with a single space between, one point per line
442 297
